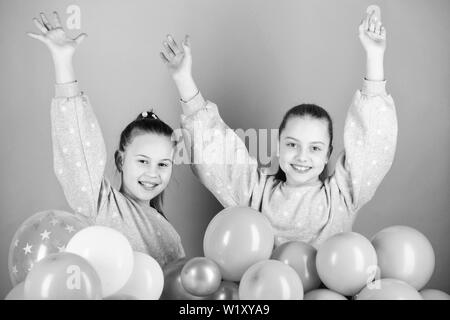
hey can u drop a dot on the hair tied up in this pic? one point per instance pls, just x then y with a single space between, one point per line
148 115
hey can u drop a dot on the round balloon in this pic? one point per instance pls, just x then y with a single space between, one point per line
201 276
405 254
40 235
236 238
323 294
173 288
109 252
63 276
270 280
302 258
346 262
227 291
388 289
433 294
17 292
146 281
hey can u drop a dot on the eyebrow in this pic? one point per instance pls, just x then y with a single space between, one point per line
143 155
313 142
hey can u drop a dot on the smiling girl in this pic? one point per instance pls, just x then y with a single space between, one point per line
144 159
301 201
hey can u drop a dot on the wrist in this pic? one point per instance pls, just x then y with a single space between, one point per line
374 56
182 78
64 72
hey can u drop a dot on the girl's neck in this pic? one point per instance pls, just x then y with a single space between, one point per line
308 183
143 204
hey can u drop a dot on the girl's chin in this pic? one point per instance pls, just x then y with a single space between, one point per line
296 182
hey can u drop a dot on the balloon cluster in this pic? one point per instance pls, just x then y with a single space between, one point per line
241 263
60 256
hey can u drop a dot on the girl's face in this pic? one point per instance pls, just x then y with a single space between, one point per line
147 166
303 149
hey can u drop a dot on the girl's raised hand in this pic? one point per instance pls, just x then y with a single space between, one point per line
54 36
178 60
372 34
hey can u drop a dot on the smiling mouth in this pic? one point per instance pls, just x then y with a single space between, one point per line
301 169
148 185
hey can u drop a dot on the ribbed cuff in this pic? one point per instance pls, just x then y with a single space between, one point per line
67 90
373 88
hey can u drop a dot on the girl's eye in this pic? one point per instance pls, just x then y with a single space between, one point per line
290 144
316 148
143 161
165 165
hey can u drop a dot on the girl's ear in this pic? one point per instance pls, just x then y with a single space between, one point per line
118 158
329 153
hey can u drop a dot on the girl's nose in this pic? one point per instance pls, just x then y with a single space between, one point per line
301 154
153 171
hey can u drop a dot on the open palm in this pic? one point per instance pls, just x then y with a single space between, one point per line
178 60
55 37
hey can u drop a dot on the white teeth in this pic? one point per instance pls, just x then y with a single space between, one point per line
301 168
148 184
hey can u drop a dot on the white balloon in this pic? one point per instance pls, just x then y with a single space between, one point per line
146 281
17 293
109 252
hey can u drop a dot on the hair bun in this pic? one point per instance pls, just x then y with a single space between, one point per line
147 115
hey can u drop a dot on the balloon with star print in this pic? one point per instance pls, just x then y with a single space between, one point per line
42 234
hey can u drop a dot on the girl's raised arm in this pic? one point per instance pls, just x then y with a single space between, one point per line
218 156
79 151
370 133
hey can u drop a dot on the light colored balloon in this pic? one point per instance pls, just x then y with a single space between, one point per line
146 281
236 238
270 280
433 294
227 291
109 252
62 276
388 289
405 254
173 289
42 234
323 294
302 257
17 293
346 262
201 276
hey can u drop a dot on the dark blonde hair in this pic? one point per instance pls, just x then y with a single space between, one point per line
146 122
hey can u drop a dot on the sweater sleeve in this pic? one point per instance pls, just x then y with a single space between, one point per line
219 158
370 137
79 152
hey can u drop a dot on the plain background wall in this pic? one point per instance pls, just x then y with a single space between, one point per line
255 59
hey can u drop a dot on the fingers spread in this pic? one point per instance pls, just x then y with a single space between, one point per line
39 25
80 38
173 45
57 20
39 37
186 43
45 21
164 58
169 52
